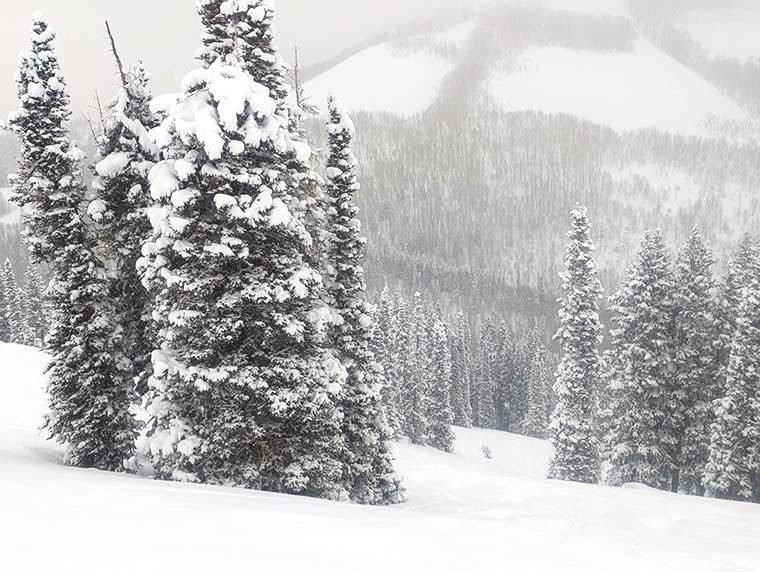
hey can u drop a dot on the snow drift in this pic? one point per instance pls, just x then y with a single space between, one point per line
464 512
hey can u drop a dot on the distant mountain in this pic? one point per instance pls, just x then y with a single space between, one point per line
477 137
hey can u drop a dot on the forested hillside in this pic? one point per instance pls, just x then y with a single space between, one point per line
466 195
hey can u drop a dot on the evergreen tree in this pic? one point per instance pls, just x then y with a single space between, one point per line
733 468
536 418
385 345
641 442
576 451
461 371
14 313
89 400
439 414
243 390
729 298
484 407
5 327
34 308
417 376
119 209
695 361
504 376
368 462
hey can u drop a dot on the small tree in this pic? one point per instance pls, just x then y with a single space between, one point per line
461 372
536 419
439 412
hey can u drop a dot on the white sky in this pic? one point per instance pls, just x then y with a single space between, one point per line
165 33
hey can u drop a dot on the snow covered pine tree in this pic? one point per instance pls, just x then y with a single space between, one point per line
119 208
243 391
89 399
576 451
439 414
368 462
695 360
733 468
641 442
18 333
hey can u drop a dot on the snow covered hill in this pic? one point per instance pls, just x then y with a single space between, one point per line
635 88
464 513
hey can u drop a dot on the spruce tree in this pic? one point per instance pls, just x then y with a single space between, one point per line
484 407
34 307
695 361
18 332
504 374
576 450
368 462
417 375
733 467
120 210
243 390
384 345
89 400
536 418
439 414
5 327
461 372
641 443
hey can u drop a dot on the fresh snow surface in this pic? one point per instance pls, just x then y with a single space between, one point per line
624 90
725 32
464 513
383 79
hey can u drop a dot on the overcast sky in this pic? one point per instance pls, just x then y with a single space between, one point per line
165 33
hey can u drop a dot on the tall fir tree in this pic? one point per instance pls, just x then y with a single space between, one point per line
415 389
89 400
368 462
15 314
385 345
461 372
484 406
576 450
733 467
5 327
439 414
243 390
641 442
695 359
536 417
34 307
120 210
504 374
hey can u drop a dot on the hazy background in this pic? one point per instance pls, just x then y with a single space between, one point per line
165 33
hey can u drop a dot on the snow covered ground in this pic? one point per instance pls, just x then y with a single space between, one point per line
623 90
465 513
383 79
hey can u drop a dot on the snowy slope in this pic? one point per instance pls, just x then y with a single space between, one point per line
464 513
402 80
623 90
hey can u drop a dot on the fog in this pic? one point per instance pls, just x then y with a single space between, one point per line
165 33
